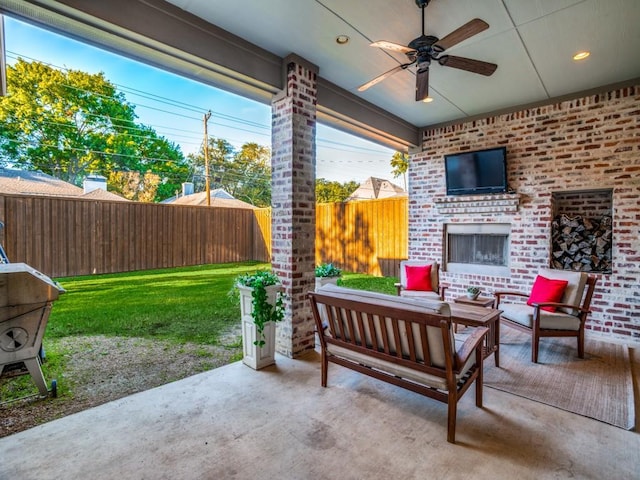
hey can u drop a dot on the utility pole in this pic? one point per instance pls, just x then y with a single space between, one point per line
206 158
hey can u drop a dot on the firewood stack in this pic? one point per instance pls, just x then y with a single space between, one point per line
581 244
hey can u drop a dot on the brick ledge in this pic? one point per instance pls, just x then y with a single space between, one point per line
498 203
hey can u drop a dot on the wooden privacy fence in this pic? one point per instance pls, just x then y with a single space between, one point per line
69 236
367 236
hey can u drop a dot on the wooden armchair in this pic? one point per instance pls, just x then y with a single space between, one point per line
412 286
565 318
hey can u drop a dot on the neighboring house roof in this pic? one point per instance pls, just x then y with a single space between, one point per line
219 198
100 194
26 182
375 188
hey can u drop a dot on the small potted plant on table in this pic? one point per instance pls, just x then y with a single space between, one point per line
261 306
327 273
473 292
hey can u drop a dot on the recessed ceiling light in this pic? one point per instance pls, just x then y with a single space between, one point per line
342 39
581 55
427 99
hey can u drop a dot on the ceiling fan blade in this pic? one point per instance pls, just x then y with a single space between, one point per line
422 85
380 78
468 64
467 30
396 47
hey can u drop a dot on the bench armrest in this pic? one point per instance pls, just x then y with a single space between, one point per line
469 346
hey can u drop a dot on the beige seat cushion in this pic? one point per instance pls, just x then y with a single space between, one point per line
420 305
523 314
395 369
420 294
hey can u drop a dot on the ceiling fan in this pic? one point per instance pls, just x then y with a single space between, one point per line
422 50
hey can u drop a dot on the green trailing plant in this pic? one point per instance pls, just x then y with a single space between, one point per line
327 270
473 290
262 312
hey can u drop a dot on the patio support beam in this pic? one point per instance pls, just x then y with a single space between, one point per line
293 217
163 35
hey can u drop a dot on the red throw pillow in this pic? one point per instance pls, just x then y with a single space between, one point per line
547 290
418 277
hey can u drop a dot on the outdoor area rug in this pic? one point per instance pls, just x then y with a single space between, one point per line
599 386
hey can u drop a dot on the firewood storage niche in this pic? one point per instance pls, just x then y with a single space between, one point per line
582 231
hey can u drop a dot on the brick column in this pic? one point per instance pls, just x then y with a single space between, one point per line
293 163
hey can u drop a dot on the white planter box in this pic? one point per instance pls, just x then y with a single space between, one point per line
322 281
255 356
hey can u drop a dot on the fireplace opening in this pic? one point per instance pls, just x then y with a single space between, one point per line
477 248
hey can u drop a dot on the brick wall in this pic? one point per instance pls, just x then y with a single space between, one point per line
293 131
592 204
590 143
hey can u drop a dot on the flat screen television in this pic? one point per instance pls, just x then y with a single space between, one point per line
479 172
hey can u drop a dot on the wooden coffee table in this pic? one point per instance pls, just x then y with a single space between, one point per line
476 316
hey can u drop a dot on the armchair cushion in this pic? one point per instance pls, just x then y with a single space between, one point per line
547 290
418 277
575 287
420 294
523 314
435 273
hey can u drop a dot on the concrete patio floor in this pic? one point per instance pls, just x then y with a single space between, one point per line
279 423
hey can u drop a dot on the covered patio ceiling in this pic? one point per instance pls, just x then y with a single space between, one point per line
241 46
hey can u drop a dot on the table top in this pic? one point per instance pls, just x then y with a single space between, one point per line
480 301
473 315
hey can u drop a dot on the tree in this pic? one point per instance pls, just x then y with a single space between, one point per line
400 165
132 185
244 173
254 163
158 156
332 191
72 124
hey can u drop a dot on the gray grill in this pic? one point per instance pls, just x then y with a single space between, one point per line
26 296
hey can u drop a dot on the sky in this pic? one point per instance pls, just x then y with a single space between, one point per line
174 106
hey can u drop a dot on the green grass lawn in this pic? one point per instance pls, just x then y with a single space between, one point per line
188 304
182 305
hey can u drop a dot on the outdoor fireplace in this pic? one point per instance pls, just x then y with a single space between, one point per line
481 248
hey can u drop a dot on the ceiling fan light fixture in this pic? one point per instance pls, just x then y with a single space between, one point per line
342 39
581 55
421 51
427 99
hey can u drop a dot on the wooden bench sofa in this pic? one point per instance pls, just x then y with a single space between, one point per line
405 342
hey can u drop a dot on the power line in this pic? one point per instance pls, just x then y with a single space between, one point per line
193 108
229 121
238 177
